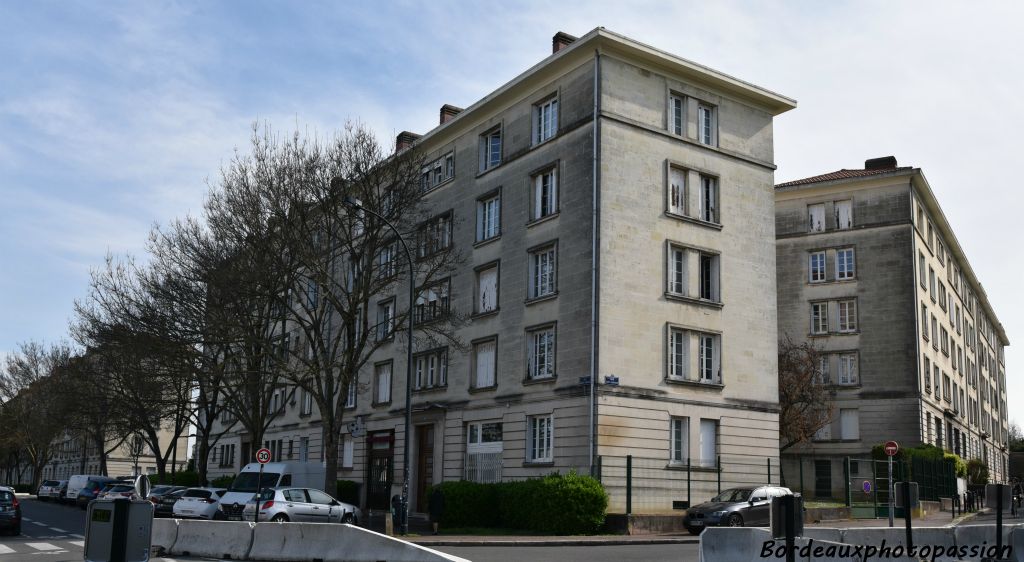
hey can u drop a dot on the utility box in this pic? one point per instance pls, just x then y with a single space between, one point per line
898 492
118 530
787 507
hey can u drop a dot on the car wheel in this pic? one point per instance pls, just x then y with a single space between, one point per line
735 520
17 530
349 518
695 530
280 518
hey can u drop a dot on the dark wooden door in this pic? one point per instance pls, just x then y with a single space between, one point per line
379 467
424 465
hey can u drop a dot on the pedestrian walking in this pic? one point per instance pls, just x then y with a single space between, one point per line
436 507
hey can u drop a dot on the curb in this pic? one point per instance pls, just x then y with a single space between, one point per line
556 542
963 519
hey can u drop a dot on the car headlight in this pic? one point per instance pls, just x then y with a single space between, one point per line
719 514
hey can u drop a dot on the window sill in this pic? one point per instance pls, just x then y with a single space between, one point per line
430 389
693 300
489 169
481 389
543 219
694 220
488 314
537 144
676 465
435 187
696 384
538 464
380 404
487 241
541 380
536 300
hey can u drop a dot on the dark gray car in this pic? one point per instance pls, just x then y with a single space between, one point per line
735 507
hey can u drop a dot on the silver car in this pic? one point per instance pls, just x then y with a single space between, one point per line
306 505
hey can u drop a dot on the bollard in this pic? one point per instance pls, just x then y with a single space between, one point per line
688 504
629 484
906 516
999 517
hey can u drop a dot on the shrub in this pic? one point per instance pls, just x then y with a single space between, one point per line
181 478
223 481
348 491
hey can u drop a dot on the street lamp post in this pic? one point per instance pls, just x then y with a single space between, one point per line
404 516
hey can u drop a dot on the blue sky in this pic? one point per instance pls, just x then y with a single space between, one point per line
114 114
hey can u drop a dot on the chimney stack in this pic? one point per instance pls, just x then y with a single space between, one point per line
883 163
560 41
405 140
448 112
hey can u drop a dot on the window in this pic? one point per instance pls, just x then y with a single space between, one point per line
680 430
931 282
678 350
484 448
845 264
485 363
935 333
433 302
848 368
488 217
706 124
927 375
946 388
434 236
824 433
921 271
539 436
677 270
677 191
816 267
937 379
708 443
347 454
385 319
353 390
944 339
676 114
816 217
545 120
849 424
848 315
542 272
540 353
819 317
942 295
824 377
382 383
490 149
710 359
930 234
431 369
708 199
386 260
545 194
487 289
307 403
709 277
924 321
844 214
437 172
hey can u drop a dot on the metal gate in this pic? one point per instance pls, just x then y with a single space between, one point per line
380 470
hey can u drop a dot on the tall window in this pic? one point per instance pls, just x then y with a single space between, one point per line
540 435
677 191
708 201
437 172
484 446
353 391
847 368
431 369
435 235
710 358
709 277
487 289
816 217
386 260
849 424
824 372
490 149
385 319
485 363
931 283
542 272
708 443
676 114
433 302
382 383
680 429
545 194
488 217
927 375
935 333
848 315
816 267
540 355
937 381
678 347
348 445
677 270
819 317
706 124
921 271
845 266
545 120
307 403
844 214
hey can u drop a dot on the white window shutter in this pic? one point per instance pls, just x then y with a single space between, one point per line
488 290
485 364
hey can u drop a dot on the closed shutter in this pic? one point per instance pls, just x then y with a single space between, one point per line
488 290
708 442
485 364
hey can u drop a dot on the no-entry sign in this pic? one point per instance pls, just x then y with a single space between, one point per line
263 456
891 448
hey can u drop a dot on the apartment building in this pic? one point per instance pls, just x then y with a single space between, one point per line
871 272
614 203
74 454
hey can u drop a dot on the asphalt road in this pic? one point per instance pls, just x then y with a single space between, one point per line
610 553
49 533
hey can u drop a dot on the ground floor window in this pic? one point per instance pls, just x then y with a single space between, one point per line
484 449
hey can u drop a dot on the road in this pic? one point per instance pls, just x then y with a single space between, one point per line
610 553
49 533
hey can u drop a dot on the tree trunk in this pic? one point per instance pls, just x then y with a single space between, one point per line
329 435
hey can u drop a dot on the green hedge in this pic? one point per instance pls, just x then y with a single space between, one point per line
223 481
181 478
569 504
348 491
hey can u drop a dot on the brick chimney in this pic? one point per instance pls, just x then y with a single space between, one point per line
448 112
883 163
405 140
560 41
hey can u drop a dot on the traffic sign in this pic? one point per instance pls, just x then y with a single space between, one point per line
866 486
263 456
891 448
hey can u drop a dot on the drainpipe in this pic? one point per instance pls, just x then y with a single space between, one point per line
594 218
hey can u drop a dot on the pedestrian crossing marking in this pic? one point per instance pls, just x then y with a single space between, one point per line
80 544
56 530
42 546
5 549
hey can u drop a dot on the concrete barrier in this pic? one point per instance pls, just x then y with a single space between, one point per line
1017 542
213 539
165 532
815 550
732 544
895 539
824 534
326 542
982 536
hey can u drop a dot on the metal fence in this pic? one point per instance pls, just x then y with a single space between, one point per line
653 486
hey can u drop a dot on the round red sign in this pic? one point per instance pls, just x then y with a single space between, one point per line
263 456
891 448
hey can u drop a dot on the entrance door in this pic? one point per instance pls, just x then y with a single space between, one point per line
424 464
379 469
822 478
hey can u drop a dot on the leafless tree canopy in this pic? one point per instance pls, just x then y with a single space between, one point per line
804 397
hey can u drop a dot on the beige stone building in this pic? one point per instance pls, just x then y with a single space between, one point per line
74 455
615 204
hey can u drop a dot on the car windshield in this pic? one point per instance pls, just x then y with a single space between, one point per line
6 497
120 488
733 495
197 494
159 490
50 483
251 482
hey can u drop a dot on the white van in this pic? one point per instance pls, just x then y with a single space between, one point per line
76 483
246 485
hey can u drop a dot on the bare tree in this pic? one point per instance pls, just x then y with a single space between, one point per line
805 396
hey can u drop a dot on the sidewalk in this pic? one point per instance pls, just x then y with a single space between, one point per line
934 519
589 540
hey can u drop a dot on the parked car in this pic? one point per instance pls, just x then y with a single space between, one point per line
158 492
164 507
51 489
198 503
117 490
249 482
306 505
10 511
90 490
78 481
735 507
